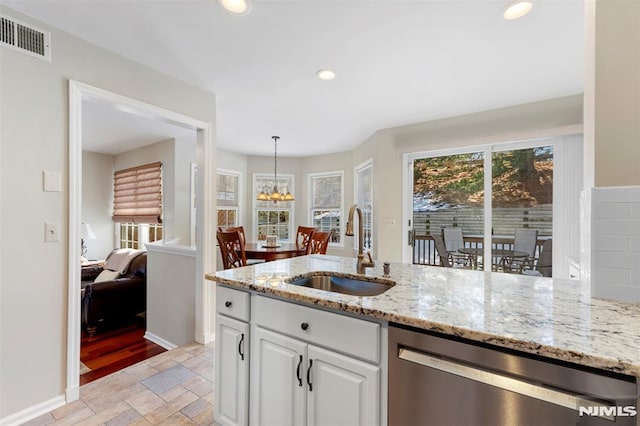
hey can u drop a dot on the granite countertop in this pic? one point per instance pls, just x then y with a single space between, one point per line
549 317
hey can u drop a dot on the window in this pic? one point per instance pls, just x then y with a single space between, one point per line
272 218
137 194
135 235
228 197
325 198
137 205
364 199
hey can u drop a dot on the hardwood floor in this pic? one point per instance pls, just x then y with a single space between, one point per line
113 350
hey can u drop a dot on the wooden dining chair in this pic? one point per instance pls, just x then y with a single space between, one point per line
303 235
240 229
231 249
319 242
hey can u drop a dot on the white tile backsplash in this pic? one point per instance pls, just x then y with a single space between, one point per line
612 243
615 250
612 211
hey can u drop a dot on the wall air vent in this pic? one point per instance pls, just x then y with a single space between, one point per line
24 38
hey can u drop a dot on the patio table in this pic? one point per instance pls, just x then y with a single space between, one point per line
505 256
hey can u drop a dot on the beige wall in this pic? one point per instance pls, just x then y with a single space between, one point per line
97 202
185 154
34 137
171 280
612 93
549 117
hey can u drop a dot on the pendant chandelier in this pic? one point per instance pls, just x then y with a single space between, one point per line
274 194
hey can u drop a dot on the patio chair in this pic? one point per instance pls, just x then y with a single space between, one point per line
543 266
524 240
453 241
441 251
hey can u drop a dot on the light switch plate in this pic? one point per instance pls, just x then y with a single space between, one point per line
52 181
51 232
391 223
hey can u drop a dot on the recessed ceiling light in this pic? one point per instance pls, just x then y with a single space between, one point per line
326 74
517 9
236 7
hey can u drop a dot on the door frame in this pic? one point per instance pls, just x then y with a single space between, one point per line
205 256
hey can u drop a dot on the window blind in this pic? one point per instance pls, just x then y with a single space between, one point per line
137 194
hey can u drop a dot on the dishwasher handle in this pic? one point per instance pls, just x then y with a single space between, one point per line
511 384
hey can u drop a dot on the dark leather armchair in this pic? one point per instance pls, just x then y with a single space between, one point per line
116 302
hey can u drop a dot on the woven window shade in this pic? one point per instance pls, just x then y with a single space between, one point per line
137 194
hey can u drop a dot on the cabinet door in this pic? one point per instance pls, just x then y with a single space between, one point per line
344 391
278 379
232 371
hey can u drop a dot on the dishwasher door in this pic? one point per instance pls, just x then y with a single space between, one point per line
435 380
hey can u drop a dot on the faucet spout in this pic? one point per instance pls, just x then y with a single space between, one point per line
362 264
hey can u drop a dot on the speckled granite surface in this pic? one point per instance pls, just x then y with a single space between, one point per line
553 318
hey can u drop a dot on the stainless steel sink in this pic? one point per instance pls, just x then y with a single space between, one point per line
344 285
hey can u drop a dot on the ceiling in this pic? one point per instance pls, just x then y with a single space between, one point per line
397 61
108 130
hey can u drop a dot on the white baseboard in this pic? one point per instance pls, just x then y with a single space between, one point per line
159 341
33 412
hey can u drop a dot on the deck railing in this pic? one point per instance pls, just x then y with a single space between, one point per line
424 250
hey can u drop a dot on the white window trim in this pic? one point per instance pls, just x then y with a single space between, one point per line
240 194
310 177
360 167
254 194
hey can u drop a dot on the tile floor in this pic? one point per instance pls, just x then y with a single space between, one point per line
173 388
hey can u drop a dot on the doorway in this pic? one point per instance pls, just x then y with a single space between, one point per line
79 92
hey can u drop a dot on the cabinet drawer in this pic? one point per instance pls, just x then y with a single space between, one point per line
232 303
345 334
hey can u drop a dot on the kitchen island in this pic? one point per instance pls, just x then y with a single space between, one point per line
550 318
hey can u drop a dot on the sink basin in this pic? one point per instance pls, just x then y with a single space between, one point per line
344 285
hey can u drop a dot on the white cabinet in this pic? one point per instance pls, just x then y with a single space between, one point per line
304 366
232 347
278 381
346 391
294 382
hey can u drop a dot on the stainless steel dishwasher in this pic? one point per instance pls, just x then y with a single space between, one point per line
439 380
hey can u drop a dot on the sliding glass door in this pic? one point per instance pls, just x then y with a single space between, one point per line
485 198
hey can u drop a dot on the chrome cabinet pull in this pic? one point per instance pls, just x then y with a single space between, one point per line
298 372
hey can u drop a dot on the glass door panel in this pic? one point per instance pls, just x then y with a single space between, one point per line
522 205
448 192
